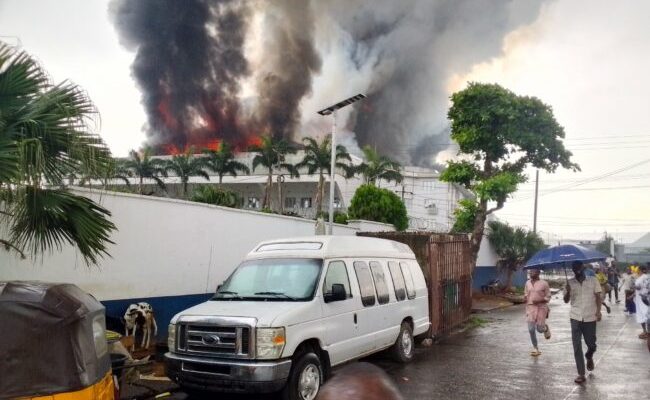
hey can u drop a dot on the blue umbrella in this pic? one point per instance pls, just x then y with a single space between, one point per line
560 256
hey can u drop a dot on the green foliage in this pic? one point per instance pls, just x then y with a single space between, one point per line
378 167
604 246
514 246
215 195
271 155
381 205
476 322
46 136
142 166
222 162
339 217
317 159
465 216
499 135
186 165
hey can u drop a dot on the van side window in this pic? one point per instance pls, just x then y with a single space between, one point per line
408 278
380 282
365 283
398 280
337 273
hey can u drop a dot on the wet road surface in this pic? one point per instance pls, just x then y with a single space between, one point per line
493 362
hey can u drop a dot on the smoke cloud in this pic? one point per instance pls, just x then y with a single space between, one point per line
232 70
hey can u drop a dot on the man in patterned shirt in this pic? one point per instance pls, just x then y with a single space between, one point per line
537 295
642 286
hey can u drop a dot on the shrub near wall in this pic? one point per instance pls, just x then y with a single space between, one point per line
381 205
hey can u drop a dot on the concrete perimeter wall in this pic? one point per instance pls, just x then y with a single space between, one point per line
171 253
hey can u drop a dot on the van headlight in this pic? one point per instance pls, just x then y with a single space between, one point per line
269 343
171 337
99 336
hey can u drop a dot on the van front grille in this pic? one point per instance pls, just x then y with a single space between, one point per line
215 340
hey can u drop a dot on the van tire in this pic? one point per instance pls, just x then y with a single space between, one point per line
404 346
304 366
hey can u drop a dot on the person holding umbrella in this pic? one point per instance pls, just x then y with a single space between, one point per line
537 294
584 293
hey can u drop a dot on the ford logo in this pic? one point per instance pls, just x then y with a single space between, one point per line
211 339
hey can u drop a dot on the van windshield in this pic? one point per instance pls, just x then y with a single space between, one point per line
273 279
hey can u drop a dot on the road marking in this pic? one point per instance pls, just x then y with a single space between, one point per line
620 331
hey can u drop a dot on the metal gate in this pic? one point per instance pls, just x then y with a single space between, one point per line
445 262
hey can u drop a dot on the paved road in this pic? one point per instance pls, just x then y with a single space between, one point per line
493 362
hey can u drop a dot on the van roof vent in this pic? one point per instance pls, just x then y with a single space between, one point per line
290 246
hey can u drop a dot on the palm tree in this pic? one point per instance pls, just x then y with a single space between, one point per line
222 162
45 136
185 165
145 167
318 159
514 246
270 155
378 168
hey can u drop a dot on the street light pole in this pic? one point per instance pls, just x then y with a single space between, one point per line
332 171
536 195
327 111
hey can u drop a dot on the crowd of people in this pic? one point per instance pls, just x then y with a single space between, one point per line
588 291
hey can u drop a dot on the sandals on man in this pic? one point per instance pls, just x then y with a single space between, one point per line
643 335
580 380
535 353
547 333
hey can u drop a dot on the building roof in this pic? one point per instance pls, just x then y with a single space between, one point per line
643 241
331 246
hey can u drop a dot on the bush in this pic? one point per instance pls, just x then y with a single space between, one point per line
339 217
380 205
210 194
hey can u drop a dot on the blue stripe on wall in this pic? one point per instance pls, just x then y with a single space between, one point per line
164 309
483 276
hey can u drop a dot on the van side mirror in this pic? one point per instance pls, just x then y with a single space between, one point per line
219 286
337 294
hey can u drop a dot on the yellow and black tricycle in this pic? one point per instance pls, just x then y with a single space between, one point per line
52 343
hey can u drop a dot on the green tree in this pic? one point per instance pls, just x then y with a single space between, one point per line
222 162
381 205
514 246
499 134
45 136
317 159
215 195
377 167
142 166
271 155
605 245
186 165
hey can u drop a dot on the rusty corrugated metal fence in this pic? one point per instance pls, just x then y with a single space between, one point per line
445 262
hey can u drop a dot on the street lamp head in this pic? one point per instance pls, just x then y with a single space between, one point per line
329 110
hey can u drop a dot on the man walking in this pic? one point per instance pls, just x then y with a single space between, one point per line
613 280
584 292
537 295
643 289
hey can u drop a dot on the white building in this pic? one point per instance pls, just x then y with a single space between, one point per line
429 202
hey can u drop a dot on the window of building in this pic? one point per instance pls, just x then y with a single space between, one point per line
365 283
380 282
290 202
408 279
305 202
253 202
429 186
398 280
337 273
337 202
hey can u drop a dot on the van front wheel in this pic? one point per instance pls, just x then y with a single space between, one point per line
305 378
404 346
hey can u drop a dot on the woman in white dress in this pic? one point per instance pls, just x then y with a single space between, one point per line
641 309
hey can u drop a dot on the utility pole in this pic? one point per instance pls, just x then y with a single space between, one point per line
536 195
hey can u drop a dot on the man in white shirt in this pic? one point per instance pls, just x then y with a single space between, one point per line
642 287
584 293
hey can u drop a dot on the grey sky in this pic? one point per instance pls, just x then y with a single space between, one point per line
588 59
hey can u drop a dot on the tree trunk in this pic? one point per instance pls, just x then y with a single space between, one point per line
477 233
319 194
508 280
220 179
185 189
267 190
140 185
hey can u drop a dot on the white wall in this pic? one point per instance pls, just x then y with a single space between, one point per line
163 247
487 257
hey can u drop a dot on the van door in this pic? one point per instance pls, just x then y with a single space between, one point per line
387 310
341 330
368 315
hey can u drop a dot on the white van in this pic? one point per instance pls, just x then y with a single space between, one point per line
295 308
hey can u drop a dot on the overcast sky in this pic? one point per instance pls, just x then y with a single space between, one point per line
588 59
